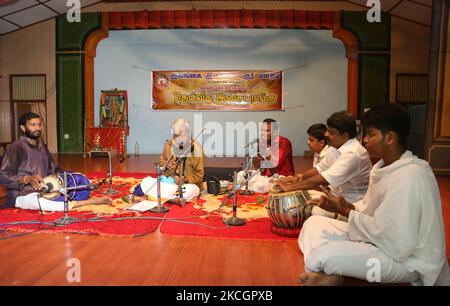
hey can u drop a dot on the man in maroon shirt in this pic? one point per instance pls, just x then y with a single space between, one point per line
275 151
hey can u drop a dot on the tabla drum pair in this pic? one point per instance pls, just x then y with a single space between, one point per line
75 183
289 209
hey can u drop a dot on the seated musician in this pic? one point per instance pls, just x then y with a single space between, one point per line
399 235
183 159
26 163
348 175
274 157
318 144
275 153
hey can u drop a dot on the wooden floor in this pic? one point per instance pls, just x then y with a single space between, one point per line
155 259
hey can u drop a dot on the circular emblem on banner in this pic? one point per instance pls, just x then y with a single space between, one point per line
162 81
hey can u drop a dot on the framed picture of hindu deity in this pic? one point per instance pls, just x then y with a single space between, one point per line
112 131
114 109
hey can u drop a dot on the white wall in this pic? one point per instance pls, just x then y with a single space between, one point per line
28 51
311 92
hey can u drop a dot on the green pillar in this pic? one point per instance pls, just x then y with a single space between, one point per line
70 39
374 59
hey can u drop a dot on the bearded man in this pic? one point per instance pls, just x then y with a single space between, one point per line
26 163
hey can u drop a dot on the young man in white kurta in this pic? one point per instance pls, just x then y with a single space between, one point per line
395 236
318 157
318 143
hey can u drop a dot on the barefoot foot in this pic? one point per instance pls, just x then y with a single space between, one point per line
101 201
319 279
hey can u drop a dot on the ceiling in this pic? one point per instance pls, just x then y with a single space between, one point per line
417 11
17 14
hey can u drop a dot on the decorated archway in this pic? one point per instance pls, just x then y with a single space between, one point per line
91 35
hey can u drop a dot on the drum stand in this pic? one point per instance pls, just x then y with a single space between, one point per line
110 191
159 208
66 220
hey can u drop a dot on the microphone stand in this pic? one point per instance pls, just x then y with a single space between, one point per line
246 191
65 220
180 200
159 171
110 191
159 208
234 220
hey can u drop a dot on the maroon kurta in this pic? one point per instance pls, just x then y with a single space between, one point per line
285 164
22 158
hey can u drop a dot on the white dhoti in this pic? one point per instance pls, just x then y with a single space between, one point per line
32 201
326 247
259 183
168 191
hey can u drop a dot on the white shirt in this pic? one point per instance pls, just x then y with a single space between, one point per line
348 175
331 152
402 216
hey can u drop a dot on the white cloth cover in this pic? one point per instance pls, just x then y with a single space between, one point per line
168 191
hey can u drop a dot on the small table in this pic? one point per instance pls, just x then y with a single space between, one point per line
110 154
102 153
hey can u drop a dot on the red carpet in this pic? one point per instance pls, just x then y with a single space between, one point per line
128 227
259 228
108 228
213 226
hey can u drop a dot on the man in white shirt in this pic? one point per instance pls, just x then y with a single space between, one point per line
348 174
398 236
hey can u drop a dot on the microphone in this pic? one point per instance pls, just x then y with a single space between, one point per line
48 187
271 169
256 140
273 173
81 187
178 149
96 186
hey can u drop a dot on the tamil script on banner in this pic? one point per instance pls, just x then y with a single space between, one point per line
217 90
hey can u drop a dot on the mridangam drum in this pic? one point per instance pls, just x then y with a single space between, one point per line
74 180
289 209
